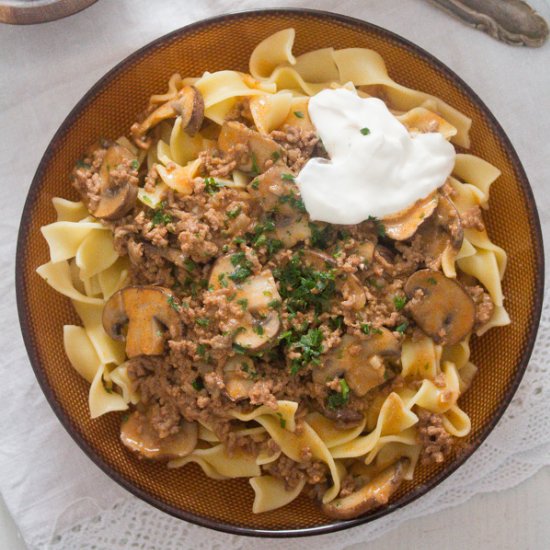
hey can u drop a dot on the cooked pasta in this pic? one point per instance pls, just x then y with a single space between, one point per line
239 334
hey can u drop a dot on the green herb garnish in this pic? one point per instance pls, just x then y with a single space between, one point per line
399 302
338 399
298 114
402 327
365 131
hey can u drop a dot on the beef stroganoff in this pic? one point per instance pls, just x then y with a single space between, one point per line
239 329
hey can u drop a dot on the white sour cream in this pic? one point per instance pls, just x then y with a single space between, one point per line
377 174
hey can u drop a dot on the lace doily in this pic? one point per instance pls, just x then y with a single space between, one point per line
515 450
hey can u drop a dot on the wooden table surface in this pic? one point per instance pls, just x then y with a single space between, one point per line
516 519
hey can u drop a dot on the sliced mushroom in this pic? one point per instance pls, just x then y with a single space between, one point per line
188 104
440 306
403 224
260 148
116 197
291 230
375 493
349 285
137 434
147 310
260 322
441 233
237 386
359 360
275 189
260 325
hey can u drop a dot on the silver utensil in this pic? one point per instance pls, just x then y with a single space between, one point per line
511 21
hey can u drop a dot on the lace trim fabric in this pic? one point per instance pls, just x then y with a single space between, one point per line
516 449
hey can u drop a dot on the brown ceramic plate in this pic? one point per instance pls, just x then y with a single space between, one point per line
109 108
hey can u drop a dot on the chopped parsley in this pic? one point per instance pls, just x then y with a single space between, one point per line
134 164
368 329
311 346
259 330
82 164
282 421
275 156
232 214
303 287
255 168
201 350
380 228
338 399
211 186
172 303
402 327
255 183
197 384
160 217
189 264
335 323
203 322
399 302
243 302
237 348
320 236
274 304
287 177
295 202
222 280
365 131
298 114
243 267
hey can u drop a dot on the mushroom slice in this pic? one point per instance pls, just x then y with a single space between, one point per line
441 233
188 104
375 493
260 325
403 225
115 198
291 230
272 189
360 360
237 387
136 434
440 306
219 275
260 148
349 285
146 310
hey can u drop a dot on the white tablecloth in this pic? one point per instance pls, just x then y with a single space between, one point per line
57 496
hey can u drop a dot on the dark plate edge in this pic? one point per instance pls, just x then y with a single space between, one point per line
207 522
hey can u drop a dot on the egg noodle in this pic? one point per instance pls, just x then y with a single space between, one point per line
360 460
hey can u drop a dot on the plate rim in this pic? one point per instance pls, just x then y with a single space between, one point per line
23 309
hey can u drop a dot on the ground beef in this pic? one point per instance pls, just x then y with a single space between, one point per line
436 442
298 143
484 304
472 218
292 473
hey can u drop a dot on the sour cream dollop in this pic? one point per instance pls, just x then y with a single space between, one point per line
376 167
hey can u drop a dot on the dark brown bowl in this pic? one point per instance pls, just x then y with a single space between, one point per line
109 108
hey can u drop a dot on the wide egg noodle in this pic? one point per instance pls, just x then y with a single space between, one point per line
273 51
330 434
64 238
81 352
420 358
269 111
238 464
119 376
271 493
96 253
394 418
101 400
69 211
109 351
58 276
